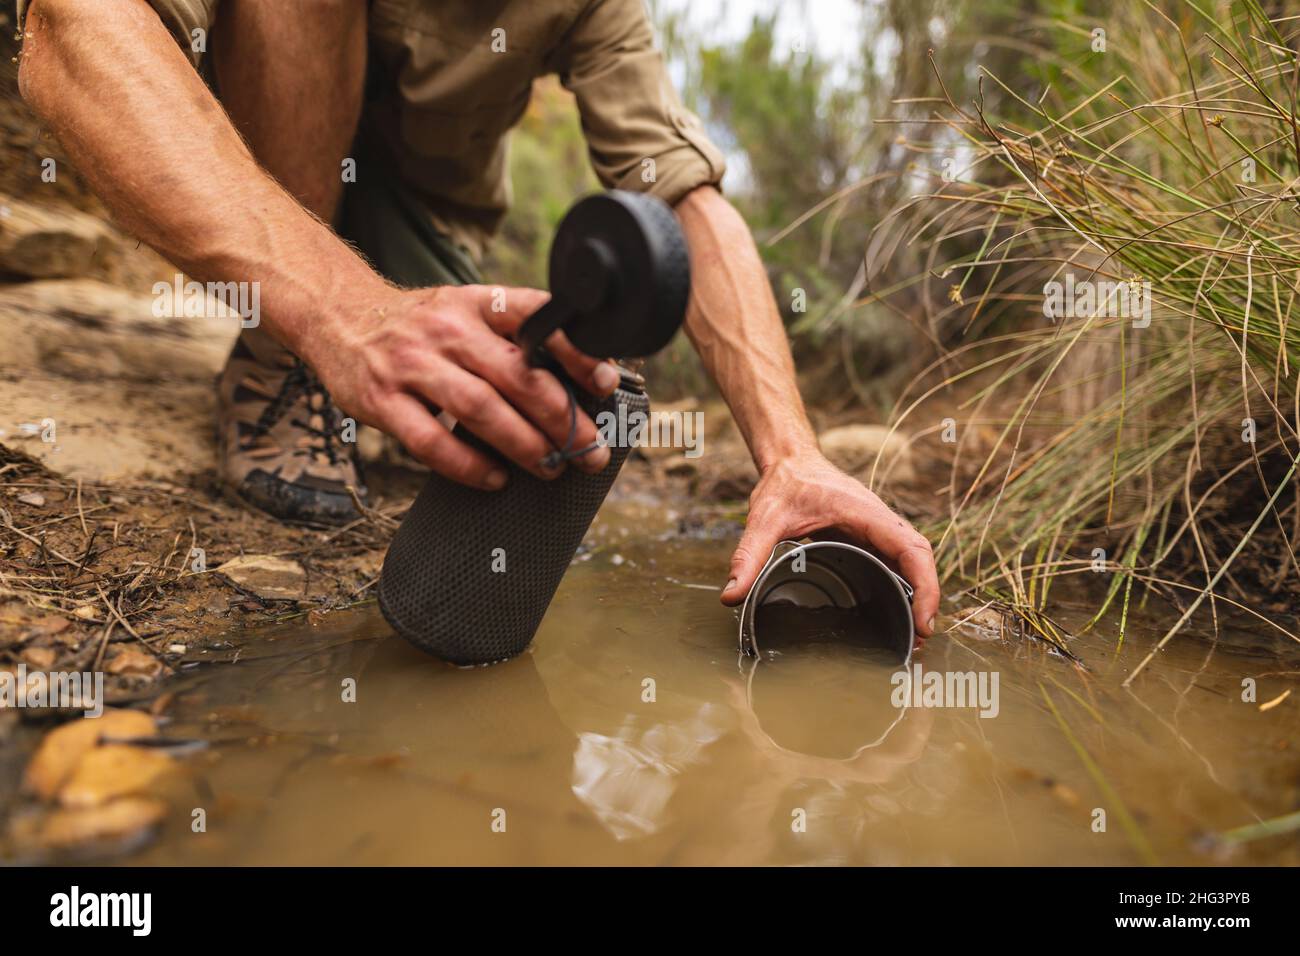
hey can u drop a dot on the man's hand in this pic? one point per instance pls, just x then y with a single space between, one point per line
798 496
414 353
391 358
737 330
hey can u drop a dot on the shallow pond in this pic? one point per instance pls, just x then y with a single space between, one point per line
633 733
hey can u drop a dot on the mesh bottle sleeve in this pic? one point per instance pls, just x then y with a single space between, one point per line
439 589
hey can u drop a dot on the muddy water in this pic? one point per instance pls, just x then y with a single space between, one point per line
632 733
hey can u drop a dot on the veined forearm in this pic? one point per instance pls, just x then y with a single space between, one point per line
147 134
734 324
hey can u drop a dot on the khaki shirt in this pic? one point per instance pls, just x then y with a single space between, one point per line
455 75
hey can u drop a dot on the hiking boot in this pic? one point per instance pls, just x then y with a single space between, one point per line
279 437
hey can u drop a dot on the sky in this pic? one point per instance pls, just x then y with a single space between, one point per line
829 26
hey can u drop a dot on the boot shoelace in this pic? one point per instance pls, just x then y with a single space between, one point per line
301 381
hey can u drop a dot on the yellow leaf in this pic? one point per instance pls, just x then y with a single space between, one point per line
112 771
64 746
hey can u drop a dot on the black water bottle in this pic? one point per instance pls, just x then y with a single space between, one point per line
470 573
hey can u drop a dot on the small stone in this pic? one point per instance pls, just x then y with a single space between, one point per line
267 576
46 241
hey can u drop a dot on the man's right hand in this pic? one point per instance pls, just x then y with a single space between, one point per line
391 358
414 353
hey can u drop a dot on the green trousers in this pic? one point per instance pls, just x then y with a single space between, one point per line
387 223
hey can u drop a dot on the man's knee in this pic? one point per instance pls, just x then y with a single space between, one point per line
46 28
58 11
53 17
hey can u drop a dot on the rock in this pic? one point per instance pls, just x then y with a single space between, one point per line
727 474
983 622
87 328
111 771
667 421
47 241
124 818
267 576
854 448
64 746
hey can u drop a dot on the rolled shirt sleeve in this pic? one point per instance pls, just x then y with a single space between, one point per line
181 17
639 134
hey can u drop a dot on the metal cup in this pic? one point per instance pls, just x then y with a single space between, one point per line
868 603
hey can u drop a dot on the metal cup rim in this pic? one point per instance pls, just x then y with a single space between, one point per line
747 636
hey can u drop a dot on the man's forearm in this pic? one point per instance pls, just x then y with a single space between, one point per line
147 134
734 325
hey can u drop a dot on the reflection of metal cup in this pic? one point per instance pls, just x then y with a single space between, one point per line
869 604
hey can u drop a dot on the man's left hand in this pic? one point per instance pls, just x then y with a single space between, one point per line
800 495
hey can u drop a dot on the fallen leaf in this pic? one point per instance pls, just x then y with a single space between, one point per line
111 771
50 624
42 658
385 761
132 660
62 748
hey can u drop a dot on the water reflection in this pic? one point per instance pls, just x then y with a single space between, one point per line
627 780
